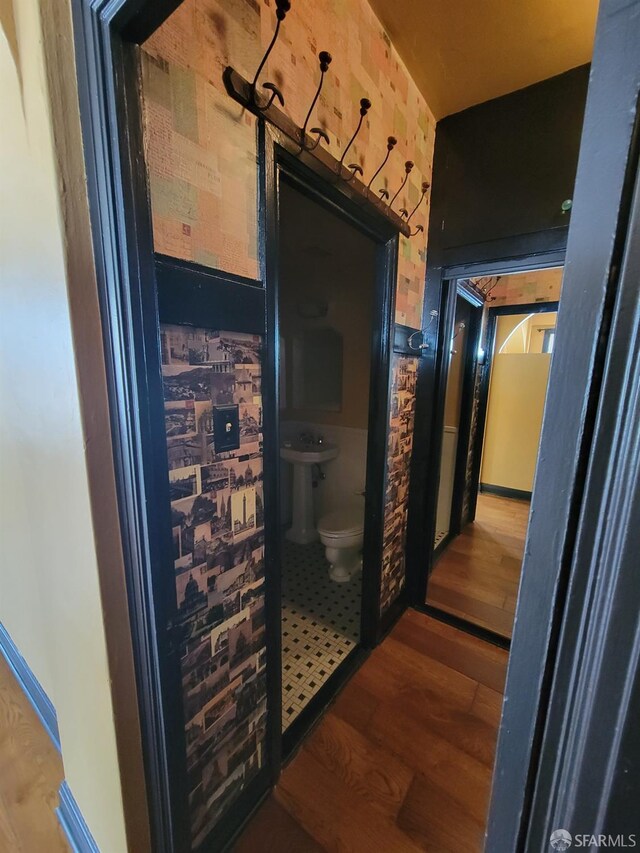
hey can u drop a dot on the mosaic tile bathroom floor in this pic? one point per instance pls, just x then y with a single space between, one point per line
320 624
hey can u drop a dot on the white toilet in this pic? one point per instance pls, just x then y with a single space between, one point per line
342 534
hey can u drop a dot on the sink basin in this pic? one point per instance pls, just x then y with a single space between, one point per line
304 453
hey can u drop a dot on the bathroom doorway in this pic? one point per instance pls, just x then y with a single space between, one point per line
332 308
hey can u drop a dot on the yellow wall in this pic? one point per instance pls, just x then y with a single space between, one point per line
49 594
537 325
514 419
523 333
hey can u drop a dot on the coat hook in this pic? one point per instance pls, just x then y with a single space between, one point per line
325 62
419 228
275 93
384 194
391 143
355 170
282 7
408 166
365 106
320 134
425 187
433 315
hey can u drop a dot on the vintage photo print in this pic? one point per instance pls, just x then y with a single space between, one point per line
243 513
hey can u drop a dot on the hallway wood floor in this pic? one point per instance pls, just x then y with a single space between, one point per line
477 576
402 760
30 774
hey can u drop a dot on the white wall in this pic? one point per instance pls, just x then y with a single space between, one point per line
49 593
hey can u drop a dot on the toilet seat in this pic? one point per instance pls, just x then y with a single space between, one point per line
347 521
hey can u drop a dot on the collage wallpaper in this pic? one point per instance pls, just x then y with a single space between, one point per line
201 146
401 418
201 156
218 540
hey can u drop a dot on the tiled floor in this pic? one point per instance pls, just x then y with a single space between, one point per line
320 624
440 534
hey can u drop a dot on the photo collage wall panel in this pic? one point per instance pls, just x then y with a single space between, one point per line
217 521
400 443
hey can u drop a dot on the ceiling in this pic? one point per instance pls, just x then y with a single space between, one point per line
464 52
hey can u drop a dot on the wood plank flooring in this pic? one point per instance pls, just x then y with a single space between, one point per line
477 577
30 774
402 761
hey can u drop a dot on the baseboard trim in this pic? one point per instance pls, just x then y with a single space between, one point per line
42 705
504 492
73 824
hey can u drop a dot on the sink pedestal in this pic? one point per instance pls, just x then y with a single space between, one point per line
303 456
303 529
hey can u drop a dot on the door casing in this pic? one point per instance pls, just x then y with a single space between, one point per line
278 160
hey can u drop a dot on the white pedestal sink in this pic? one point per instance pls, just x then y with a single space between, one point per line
303 455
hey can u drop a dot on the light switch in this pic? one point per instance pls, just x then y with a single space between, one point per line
226 428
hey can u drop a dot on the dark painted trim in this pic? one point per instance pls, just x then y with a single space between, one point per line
277 164
31 687
268 224
431 386
466 291
401 336
526 308
524 252
588 774
463 625
194 295
505 492
108 84
309 178
442 546
254 809
378 441
212 274
235 819
392 614
574 646
294 734
139 19
73 824
466 413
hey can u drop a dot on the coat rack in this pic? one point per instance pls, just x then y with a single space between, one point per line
308 143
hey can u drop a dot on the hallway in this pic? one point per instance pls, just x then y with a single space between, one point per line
478 575
402 760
